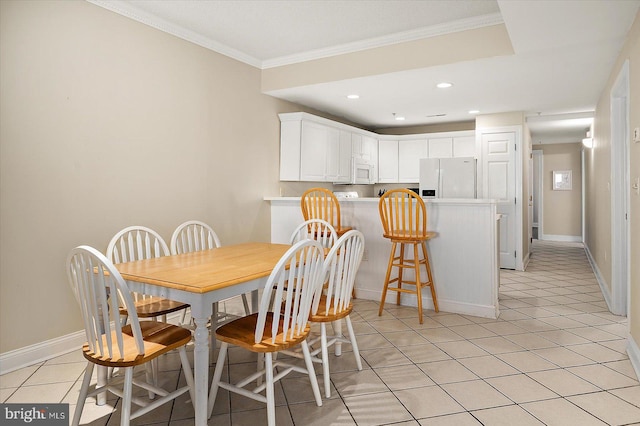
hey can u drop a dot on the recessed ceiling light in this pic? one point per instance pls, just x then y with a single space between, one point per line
400 118
353 96
443 85
474 111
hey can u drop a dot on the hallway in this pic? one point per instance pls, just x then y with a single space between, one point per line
556 356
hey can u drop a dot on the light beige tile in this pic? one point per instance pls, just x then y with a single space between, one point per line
594 334
56 373
526 361
424 353
563 382
387 325
562 322
496 345
603 377
563 357
404 377
377 409
70 357
461 349
95 415
18 377
439 402
521 388
298 389
357 383
475 395
47 393
448 371
427 322
441 334
472 331
405 338
597 352
630 394
259 417
450 320
560 412
502 328
385 357
332 412
459 419
6 393
530 341
607 407
488 366
509 415
372 341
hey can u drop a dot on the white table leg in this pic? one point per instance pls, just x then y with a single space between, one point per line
201 367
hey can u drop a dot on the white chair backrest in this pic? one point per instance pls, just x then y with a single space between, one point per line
315 229
290 290
136 243
340 269
193 235
93 278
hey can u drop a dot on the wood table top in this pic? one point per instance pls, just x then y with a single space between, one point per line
207 270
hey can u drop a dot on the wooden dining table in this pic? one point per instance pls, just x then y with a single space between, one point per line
200 279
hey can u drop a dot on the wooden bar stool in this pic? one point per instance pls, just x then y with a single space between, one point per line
404 220
320 203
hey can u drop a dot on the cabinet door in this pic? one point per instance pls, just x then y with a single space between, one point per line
409 154
344 160
464 146
313 152
370 153
387 161
332 165
441 148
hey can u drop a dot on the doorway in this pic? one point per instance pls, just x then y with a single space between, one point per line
620 189
538 174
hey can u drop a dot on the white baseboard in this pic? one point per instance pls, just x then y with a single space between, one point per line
40 352
634 355
49 349
604 288
444 305
564 238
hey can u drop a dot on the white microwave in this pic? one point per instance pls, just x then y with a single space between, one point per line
362 172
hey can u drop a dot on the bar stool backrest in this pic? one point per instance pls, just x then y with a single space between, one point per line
403 215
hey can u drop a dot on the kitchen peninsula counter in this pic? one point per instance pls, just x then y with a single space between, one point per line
464 255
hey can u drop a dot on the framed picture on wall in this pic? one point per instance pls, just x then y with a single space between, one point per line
562 180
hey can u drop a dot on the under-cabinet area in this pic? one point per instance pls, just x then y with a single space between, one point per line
315 149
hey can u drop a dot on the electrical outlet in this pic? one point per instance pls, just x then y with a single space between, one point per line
365 255
636 185
636 134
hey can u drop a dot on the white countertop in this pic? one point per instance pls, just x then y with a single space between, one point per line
377 199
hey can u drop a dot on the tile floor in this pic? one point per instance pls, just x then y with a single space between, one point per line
555 356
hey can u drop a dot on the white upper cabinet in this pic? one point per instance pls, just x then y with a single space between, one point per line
464 146
440 147
409 154
387 161
313 152
316 149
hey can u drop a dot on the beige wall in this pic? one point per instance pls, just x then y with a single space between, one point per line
598 177
562 213
106 123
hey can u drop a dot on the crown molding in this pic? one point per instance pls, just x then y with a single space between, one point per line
126 9
401 37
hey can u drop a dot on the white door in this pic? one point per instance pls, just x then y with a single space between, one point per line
499 183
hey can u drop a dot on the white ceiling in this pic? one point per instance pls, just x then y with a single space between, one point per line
564 53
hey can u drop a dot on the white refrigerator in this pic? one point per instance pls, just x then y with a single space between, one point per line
448 177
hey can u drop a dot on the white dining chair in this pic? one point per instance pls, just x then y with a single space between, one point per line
278 325
138 243
315 229
339 271
194 235
93 279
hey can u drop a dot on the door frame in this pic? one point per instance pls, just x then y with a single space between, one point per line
538 157
518 180
620 193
